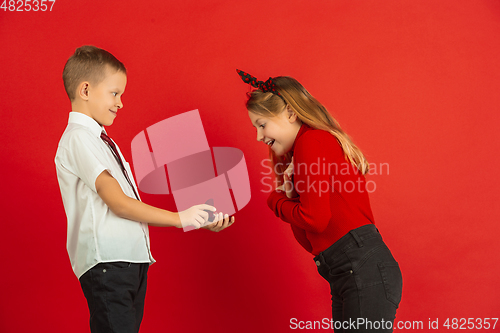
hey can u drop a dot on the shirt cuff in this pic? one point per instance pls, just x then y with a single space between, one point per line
276 200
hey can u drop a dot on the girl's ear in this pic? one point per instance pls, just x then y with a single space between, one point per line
292 116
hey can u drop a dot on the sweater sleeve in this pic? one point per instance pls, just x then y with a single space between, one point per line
315 154
277 199
301 237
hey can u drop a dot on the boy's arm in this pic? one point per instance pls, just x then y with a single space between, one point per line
123 206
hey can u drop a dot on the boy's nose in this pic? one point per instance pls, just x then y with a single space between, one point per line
260 137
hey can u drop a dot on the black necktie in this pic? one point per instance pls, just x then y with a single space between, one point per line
112 146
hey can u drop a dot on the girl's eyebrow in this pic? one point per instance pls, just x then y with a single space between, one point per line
256 120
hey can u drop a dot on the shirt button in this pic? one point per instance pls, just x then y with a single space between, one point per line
104 270
318 263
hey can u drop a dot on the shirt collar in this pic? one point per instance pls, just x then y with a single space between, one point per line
303 128
86 121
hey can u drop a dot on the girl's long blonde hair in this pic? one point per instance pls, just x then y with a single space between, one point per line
309 111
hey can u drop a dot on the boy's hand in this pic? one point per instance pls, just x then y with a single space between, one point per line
219 223
195 217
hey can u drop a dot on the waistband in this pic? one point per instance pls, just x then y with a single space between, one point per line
355 236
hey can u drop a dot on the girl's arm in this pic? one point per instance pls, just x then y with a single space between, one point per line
318 157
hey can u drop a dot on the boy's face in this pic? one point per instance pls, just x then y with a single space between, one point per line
104 99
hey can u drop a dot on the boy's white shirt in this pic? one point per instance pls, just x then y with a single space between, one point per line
95 233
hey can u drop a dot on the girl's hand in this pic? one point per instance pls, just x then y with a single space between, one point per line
288 185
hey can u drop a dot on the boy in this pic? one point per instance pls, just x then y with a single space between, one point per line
108 238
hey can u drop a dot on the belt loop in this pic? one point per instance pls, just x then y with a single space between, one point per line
356 237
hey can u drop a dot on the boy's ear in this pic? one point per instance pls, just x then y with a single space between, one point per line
83 90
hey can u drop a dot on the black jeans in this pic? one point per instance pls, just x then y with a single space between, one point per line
115 293
365 281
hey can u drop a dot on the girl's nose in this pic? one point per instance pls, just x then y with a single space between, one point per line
260 137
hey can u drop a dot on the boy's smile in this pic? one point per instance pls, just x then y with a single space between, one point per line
104 99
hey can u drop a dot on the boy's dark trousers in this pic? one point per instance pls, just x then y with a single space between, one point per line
115 293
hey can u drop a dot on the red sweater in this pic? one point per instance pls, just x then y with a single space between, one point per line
332 196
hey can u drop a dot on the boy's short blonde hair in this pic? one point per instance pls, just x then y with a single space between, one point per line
88 63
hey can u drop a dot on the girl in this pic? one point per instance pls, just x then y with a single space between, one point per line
321 193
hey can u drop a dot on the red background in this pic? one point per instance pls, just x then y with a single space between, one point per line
415 83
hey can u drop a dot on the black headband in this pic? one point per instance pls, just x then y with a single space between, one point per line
268 86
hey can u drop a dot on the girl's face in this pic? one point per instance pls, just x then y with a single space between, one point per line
277 132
